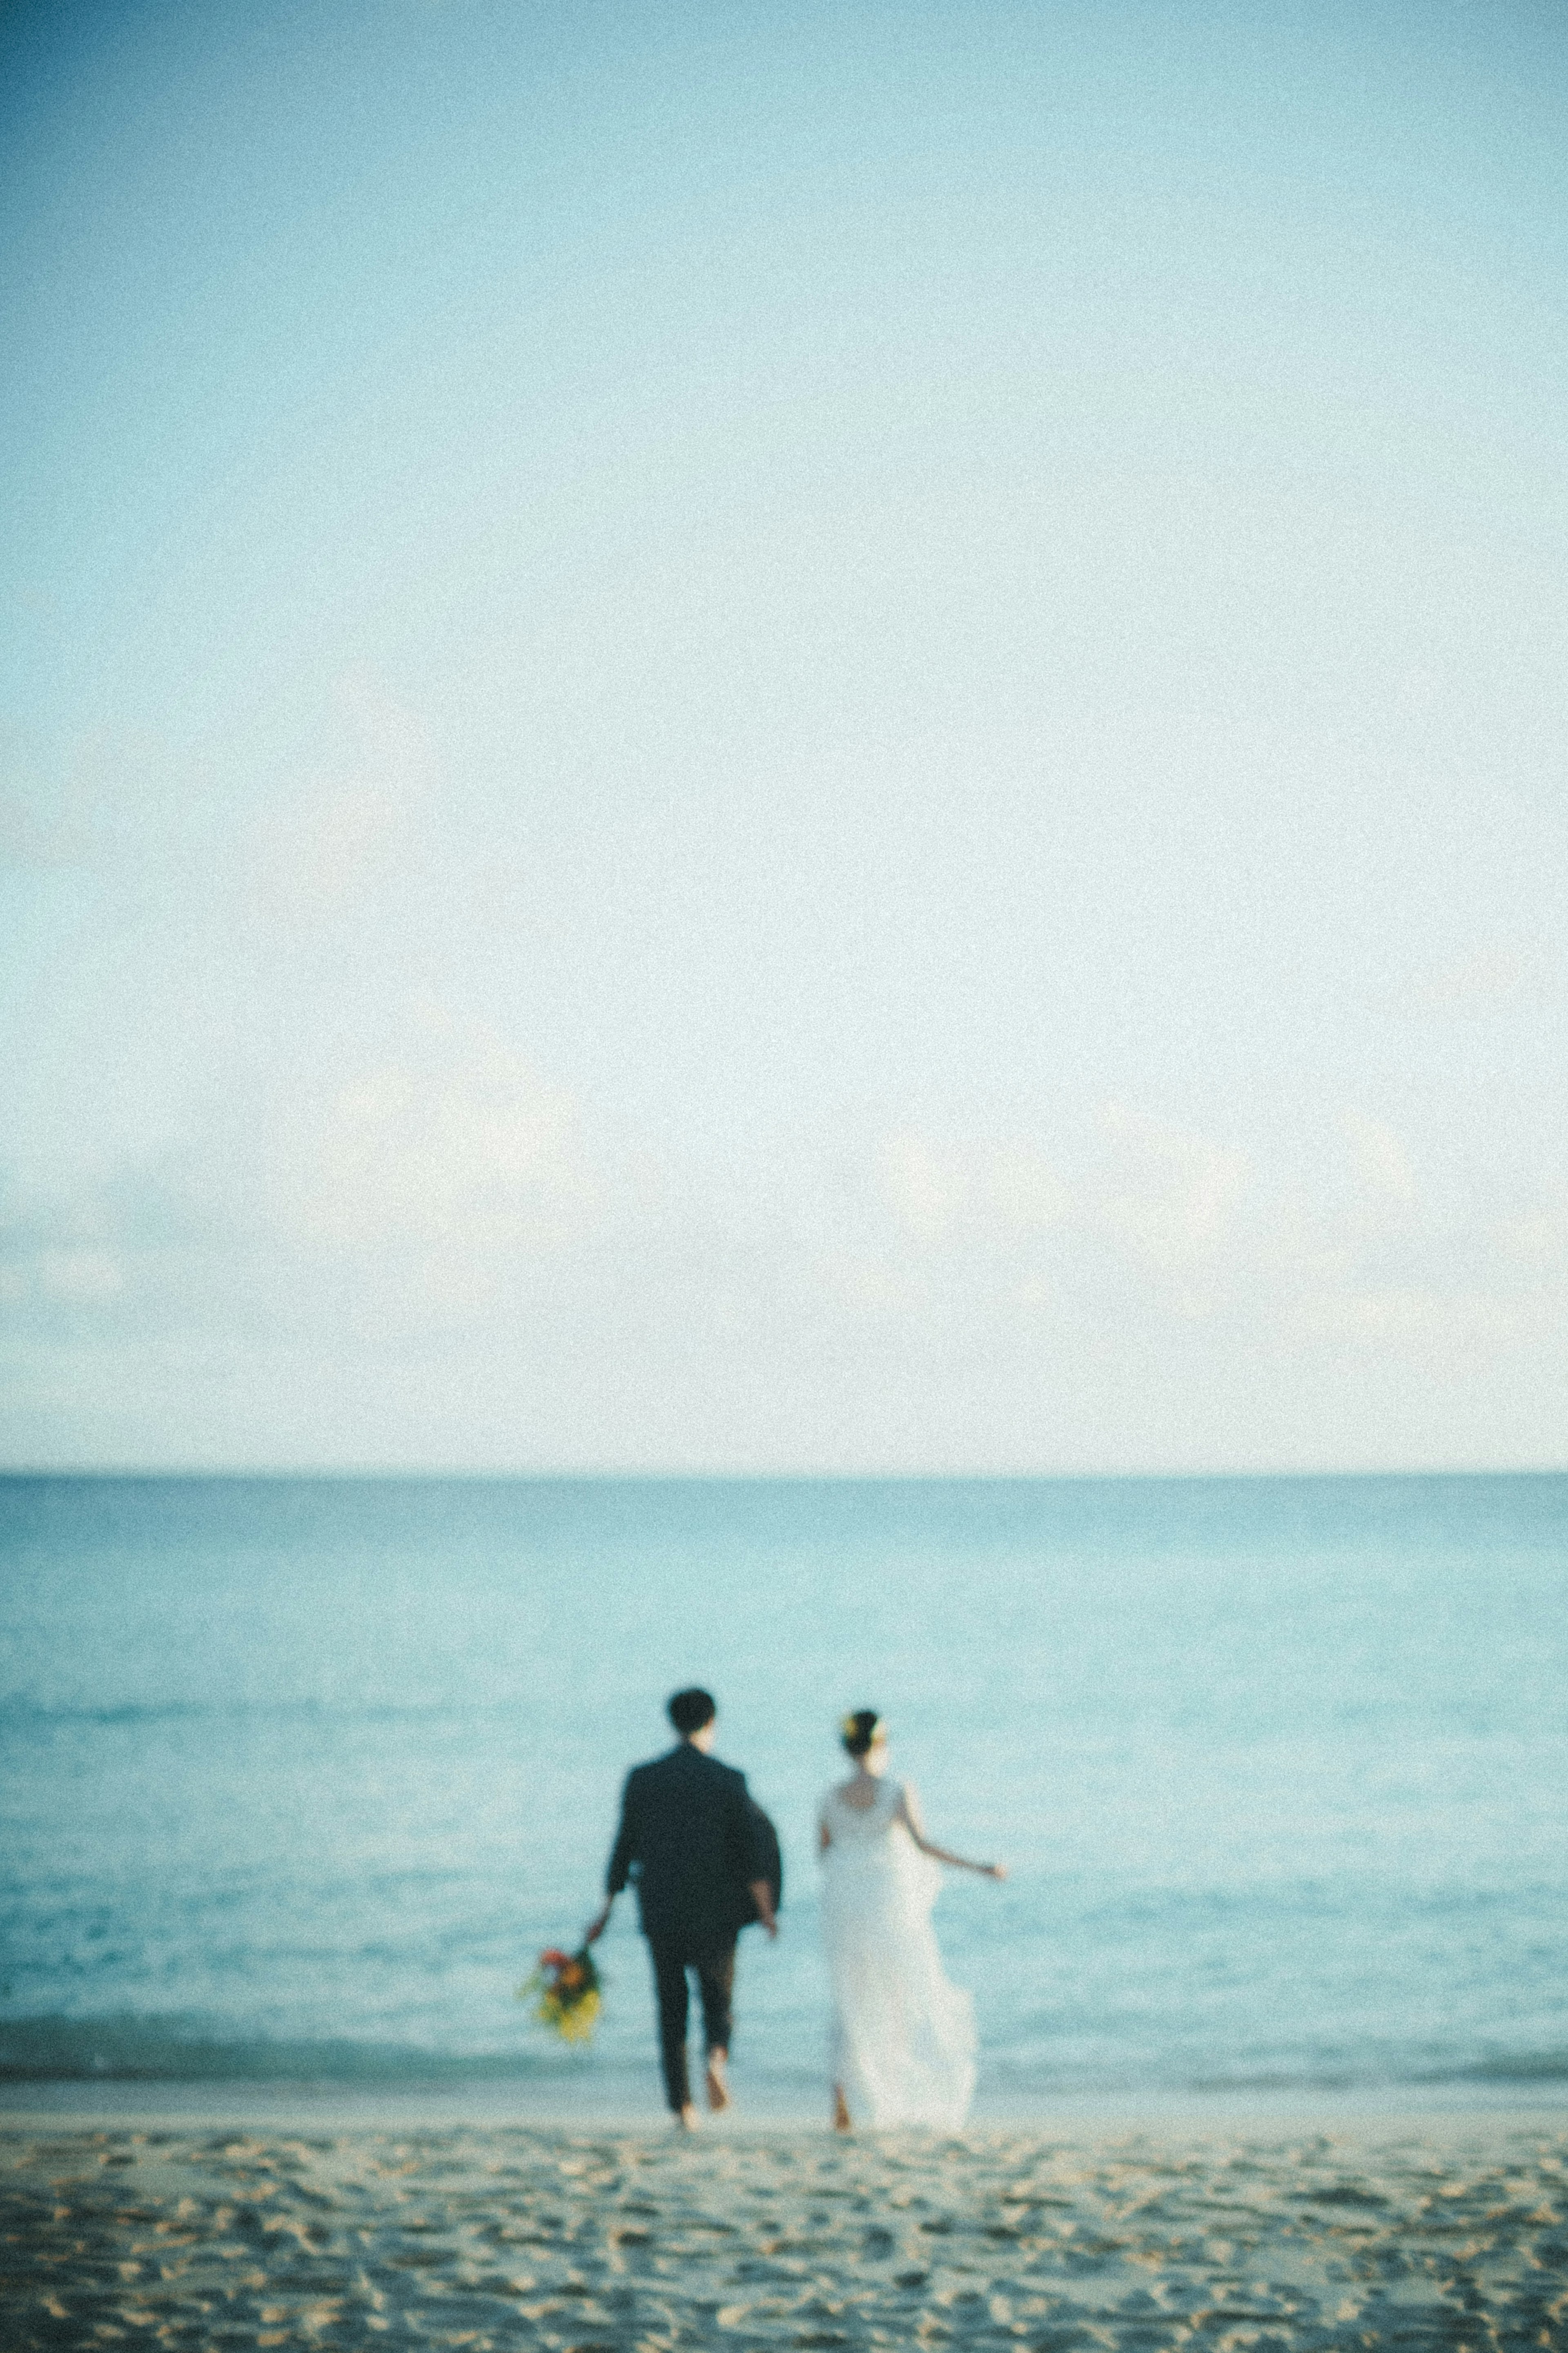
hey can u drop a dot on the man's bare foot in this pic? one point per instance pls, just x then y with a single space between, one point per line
687 2118
840 2113
718 2090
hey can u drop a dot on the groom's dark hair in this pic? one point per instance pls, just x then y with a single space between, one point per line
688 1711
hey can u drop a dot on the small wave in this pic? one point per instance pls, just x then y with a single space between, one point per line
1383 2074
185 2049
1521 2068
25 1711
192 2051
1377 2074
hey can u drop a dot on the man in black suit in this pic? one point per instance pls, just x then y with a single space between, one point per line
698 1849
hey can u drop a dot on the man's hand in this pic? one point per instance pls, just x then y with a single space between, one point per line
761 1895
597 1925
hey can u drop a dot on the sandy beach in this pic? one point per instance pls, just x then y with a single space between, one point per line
1429 2231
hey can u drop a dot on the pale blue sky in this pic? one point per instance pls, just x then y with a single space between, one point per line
783 737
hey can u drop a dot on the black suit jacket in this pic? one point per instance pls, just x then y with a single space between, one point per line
688 1835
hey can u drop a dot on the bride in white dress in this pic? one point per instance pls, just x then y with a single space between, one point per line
903 2038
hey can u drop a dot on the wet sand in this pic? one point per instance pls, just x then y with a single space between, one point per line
1425 2232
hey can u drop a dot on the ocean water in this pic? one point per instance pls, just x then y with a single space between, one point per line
297 1776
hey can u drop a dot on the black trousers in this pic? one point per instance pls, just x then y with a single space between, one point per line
715 1983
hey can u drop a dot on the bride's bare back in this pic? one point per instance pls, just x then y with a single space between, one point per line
860 1793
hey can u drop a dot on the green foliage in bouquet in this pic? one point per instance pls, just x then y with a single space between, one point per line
565 1992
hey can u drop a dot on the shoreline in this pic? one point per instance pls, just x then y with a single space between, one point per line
1367 2128
631 2104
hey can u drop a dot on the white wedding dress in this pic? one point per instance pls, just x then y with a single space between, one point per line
903 2038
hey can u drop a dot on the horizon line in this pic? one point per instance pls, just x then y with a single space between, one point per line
605 1476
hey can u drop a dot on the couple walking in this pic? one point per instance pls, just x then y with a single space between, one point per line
706 1864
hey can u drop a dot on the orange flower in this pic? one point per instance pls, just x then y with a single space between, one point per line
565 1993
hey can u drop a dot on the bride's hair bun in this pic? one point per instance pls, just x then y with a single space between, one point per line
860 1730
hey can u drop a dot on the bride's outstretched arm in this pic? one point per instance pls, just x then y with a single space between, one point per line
908 1812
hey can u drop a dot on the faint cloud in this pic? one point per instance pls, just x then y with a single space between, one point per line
1172 1200
501 896
868 1284
1538 1239
449 1169
80 1277
1483 981
316 854
1480 982
988 1191
29 838
424 1189
1021 1184
1410 1321
923 1186
30 834
1380 1158
122 798
435 1215
58 1250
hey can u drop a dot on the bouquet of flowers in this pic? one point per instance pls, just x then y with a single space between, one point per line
564 1992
